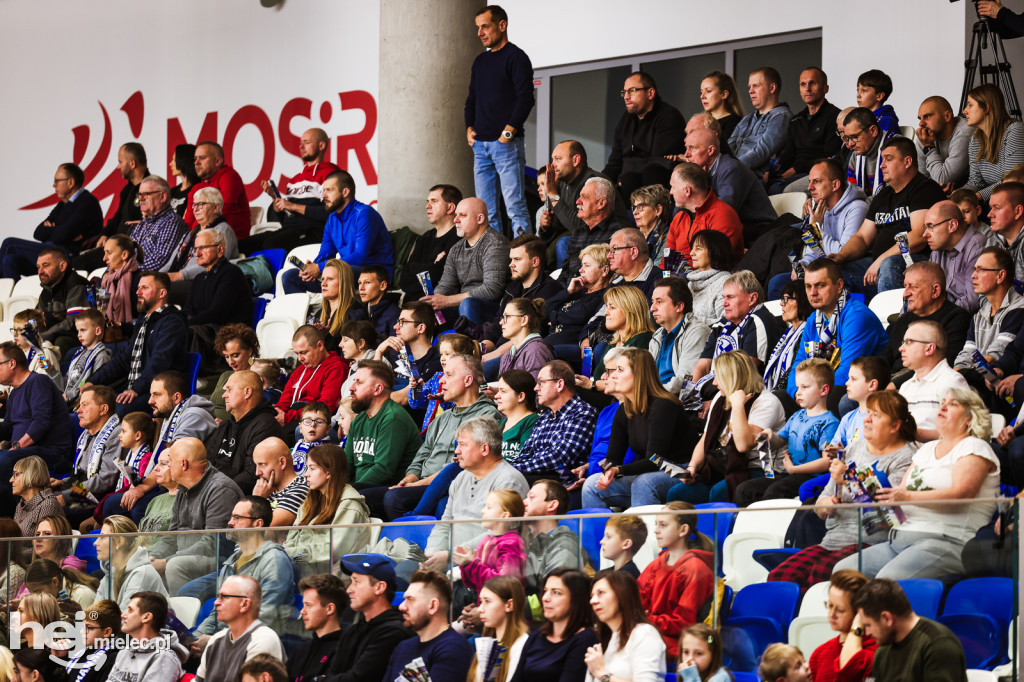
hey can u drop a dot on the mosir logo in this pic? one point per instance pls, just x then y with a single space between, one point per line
349 150
70 637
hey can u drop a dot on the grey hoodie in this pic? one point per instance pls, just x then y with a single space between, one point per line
155 660
140 576
439 441
196 422
842 221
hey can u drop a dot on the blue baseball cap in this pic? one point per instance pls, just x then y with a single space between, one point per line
375 565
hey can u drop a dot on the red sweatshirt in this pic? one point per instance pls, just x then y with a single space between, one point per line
673 595
713 214
825 662
307 385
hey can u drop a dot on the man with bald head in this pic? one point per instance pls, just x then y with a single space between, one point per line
214 172
595 207
566 175
238 607
810 133
941 140
733 183
924 352
955 246
251 420
277 481
477 267
204 502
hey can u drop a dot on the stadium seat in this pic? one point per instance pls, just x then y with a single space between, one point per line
255 215
908 132
274 256
813 603
773 558
304 253
982 676
886 303
265 227
981 637
275 336
789 202
760 615
289 307
17 302
764 529
98 272
28 286
807 633
670 677
259 307
375 530
192 371
591 532
924 594
746 677
998 422
7 286
185 609
979 611
416 534
716 526
650 549
399 598
85 549
774 307
205 610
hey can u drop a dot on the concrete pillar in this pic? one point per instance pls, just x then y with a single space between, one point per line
426 50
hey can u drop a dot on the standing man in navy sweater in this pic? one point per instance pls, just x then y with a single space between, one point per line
500 98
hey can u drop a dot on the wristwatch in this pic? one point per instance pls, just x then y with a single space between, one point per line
554 198
858 632
507 134
607 677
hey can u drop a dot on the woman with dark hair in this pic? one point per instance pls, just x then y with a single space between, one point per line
555 651
183 166
517 402
712 259
63 584
358 342
652 210
121 280
795 311
521 325
35 665
998 141
720 98
631 649
849 656
502 608
238 345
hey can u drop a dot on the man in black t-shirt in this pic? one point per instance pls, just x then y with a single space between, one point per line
900 206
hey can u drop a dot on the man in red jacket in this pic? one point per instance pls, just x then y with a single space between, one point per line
215 173
318 377
690 188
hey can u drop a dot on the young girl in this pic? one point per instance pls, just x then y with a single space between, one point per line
270 371
345 415
783 663
675 586
502 552
502 604
700 655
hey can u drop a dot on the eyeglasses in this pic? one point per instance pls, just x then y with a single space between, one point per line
615 249
504 318
932 226
149 194
221 596
17 332
197 204
403 322
907 342
239 517
786 299
639 207
541 381
854 137
829 606
978 268
313 422
56 180
630 91
206 246
93 627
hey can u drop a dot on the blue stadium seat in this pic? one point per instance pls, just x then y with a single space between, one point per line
259 307
772 558
274 256
745 677
205 610
591 532
416 534
760 615
85 549
716 526
670 677
399 598
979 611
981 637
924 594
192 374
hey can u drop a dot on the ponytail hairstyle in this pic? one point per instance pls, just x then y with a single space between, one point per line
687 516
532 309
123 546
141 423
44 571
126 243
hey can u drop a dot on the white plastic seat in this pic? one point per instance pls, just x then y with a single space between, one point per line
998 423
264 227
908 132
774 307
28 286
982 676
753 530
255 215
275 335
375 531
6 286
290 306
813 603
887 303
186 609
789 202
809 632
98 272
18 302
303 253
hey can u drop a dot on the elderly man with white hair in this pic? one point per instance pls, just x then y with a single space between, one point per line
208 208
596 208
219 295
161 231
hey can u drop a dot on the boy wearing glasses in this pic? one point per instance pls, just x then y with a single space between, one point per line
313 426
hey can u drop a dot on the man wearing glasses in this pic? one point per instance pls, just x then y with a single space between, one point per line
863 136
251 420
219 295
160 233
213 172
649 130
76 217
238 606
924 351
955 247
413 330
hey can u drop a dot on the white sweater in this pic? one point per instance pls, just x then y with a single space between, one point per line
641 660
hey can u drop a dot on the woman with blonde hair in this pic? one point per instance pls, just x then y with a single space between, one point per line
125 563
726 454
998 141
960 465
649 421
502 609
628 316
58 551
338 286
31 482
571 309
37 607
331 501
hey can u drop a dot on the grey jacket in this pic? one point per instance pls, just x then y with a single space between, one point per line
439 441
140 576
272 568
105 478
706 287
991 335
196 422
479 270
205 506
155 660
686 349
948 160
758 137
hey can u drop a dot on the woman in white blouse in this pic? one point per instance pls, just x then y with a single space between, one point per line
959 466
631 649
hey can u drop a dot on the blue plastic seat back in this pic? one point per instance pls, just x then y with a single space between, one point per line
776 600
745 677
399 598
205 610
990 596
259 309
743 643
416 534
925 595
274 256
981 636
706 523
590 531
193 371
85 549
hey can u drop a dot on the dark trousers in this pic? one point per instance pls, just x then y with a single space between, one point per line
388 504
780 487
18 257
286 238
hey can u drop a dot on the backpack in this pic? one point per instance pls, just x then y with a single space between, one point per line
402 241
258 273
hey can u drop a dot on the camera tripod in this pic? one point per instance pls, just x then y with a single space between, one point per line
983 37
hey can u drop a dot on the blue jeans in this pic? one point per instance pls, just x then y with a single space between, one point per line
908 555
202 588
477 310
293 284
437 491
628 491
112 505
498 168
561 252
890 275
853 276
491 368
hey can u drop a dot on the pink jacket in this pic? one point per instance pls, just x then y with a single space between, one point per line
497 555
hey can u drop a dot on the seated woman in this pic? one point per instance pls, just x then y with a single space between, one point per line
652 208
358 342
31 482
331 501
712 259
521 325
569 311
102 633
726 455
338 286
125 563
958 466
998 141
38 607
121 280
238 345
63 584
554 652
628 318
795 311
59 551
502 614
848 656
631 649
649 421
888 444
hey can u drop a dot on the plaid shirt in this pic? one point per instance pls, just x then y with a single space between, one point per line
560 440
159 236
140 342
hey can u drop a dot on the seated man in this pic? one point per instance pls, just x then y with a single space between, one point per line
319 377
761 134
277 481
76 217
631 262
355 233
219 294
649 130
158 344
207 205
565 177
550 545
924 352
36 422
475 270
64 291
377 307
810 137
323 600
239 607
1000 316
596 208
414 330
955 246
898 207
204 501
1006 215
251 421
430 250
864 138
562 435
680 337
98 447
151 649
162 236
691 190
941 140
214 172
255 555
